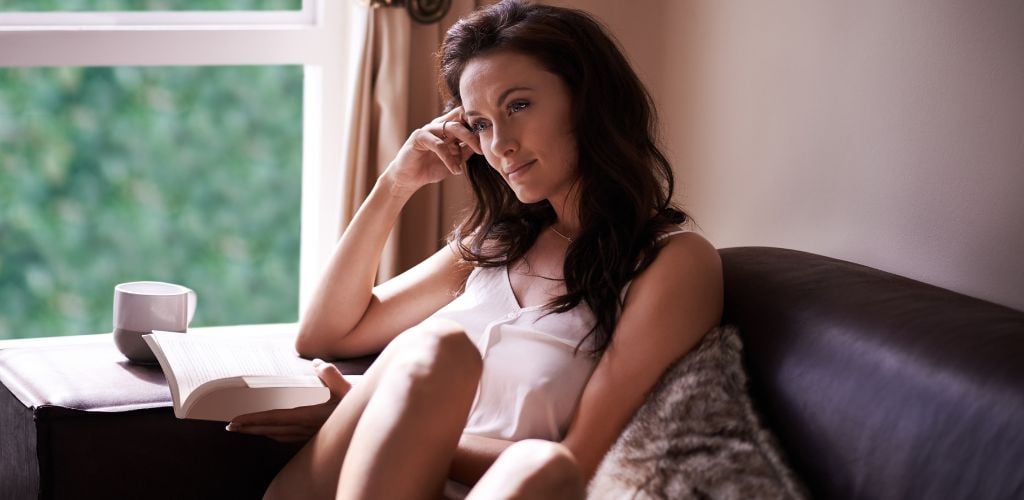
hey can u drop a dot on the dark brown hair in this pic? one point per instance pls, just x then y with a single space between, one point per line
625 183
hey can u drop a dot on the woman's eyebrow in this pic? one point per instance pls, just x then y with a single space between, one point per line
504 95
501 98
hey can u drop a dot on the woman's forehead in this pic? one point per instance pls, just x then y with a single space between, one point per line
487 77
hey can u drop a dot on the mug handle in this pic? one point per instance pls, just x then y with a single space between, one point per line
190 303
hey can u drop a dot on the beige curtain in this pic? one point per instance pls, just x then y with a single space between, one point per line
396 92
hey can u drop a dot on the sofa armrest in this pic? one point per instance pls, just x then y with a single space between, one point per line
877 385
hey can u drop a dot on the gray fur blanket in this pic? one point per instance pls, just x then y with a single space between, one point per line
697 436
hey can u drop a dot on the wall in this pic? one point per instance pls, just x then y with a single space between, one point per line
885 133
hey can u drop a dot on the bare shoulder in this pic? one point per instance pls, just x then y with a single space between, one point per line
689 247
686 262
680 294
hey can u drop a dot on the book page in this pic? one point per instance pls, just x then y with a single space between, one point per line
196 359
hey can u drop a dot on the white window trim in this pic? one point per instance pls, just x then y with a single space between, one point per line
315 37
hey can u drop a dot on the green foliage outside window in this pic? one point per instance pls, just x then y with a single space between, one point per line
145 5
189 175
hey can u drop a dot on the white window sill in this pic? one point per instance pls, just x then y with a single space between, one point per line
261 330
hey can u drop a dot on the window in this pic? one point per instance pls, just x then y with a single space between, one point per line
170 146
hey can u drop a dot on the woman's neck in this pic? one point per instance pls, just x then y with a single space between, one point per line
567 221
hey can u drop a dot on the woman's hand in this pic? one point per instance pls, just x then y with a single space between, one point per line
296 424
432 152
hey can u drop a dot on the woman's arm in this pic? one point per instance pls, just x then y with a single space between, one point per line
346 298
668 309
347 316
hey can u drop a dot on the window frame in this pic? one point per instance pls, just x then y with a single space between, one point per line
314 37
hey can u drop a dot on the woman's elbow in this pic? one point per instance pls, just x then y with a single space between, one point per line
587 459
307 349
311 344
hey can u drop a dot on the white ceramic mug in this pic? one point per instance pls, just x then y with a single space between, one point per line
143 306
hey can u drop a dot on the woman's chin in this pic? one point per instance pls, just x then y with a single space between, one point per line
528 197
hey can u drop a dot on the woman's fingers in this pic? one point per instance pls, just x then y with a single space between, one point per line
449 140
451 127
283 425
452 114
458 133
331 377
295 424
448 153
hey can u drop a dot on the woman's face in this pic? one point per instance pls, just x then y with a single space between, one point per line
521 113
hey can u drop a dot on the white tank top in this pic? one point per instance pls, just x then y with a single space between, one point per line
531 381
532 377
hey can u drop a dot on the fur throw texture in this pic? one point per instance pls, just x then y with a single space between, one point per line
697 436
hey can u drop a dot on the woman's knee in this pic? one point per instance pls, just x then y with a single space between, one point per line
551 466
533 468
440 352
449 343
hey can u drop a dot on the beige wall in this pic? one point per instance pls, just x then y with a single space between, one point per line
885 133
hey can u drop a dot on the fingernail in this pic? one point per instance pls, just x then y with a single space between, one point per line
230 427
317 361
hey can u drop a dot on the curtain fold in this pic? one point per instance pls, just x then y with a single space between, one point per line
395 93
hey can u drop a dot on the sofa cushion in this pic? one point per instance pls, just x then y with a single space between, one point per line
697 436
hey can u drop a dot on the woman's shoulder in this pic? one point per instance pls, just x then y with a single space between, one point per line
685 246
681 258
669 231
684 259
687 271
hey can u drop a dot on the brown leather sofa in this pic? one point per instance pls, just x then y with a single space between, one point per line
879 386
876 385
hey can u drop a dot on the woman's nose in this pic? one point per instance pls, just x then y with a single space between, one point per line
504 141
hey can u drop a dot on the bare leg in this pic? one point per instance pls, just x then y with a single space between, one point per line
404 442
532 469
314 471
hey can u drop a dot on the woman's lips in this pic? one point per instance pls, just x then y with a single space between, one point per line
520 170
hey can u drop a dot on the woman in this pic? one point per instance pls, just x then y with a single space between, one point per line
554 309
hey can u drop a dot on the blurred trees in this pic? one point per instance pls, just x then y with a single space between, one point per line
149 5
189 175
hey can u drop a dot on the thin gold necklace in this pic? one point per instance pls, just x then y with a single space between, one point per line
562 235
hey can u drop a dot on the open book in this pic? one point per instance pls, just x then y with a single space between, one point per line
217 377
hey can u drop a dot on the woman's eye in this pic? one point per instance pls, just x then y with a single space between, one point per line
517 106
477 127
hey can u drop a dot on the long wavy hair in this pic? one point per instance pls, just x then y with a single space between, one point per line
624 183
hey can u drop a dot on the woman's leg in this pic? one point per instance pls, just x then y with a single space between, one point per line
530 469
405 441
314 471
